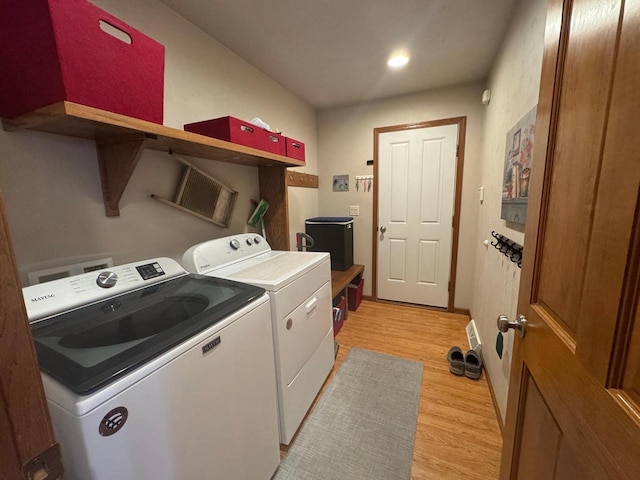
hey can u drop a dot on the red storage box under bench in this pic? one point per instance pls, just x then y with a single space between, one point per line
355 294
59 50
339 307
295 149
230 129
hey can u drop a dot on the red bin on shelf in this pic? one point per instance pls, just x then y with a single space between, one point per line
231 129
60 50
274 143
294 149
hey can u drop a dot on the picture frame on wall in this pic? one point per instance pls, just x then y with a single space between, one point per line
341 183
517 169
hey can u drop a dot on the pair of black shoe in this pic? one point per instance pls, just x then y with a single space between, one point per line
469 364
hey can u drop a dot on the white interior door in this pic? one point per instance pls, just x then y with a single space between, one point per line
416 195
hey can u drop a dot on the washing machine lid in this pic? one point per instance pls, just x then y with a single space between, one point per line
88 348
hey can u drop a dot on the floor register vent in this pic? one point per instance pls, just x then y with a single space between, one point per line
473 337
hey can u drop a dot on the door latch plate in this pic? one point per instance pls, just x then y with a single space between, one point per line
45 466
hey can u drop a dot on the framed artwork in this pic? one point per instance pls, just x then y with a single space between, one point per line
517 169
341 183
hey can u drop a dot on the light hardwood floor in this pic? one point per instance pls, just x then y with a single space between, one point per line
458 436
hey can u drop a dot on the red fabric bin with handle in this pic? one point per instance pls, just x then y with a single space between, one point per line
274 143
295 149
230 129
55 50
355 294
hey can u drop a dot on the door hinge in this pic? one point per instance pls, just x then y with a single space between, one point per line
453 221
45 466
457 150
449 287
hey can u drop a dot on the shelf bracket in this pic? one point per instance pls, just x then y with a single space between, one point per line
117 158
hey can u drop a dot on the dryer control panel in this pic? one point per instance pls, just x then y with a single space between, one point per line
204 257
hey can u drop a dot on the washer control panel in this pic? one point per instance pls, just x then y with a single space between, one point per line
46 299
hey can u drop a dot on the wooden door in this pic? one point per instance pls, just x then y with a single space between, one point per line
574 396
416 172
25 428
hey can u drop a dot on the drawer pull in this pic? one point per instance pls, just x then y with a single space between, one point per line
311 305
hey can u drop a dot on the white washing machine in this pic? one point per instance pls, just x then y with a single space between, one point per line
150 372
299 285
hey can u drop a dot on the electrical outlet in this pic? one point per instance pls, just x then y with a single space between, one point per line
354 210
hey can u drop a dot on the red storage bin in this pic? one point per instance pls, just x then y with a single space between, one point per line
231 129
338 315
355 294
55 50
295 149
274 143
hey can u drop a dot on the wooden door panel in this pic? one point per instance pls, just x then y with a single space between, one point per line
9 456
631 379
581 272
606 323
25 426
581 119
589 422
540 433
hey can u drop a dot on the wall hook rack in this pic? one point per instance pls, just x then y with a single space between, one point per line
506 246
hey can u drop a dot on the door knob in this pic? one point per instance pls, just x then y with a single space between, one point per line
519 325
383 229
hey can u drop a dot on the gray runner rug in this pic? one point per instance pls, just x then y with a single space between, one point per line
364 425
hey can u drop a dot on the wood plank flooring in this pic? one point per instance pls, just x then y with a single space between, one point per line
458 436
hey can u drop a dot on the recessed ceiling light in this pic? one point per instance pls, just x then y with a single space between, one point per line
398 60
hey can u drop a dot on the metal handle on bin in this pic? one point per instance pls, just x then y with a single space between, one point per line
244 128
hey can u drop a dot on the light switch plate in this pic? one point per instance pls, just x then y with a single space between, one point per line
354 210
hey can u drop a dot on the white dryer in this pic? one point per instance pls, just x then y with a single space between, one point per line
299 286
150 372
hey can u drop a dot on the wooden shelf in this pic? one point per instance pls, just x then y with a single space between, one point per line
120 141
73 120
340 280
340 283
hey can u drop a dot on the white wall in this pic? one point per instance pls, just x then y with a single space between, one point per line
51 184
514 84
345 137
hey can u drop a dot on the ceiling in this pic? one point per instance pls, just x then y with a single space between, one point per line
334 53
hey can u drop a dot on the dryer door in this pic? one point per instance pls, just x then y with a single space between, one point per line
300 332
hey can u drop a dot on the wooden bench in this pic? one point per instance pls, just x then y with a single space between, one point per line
340 283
